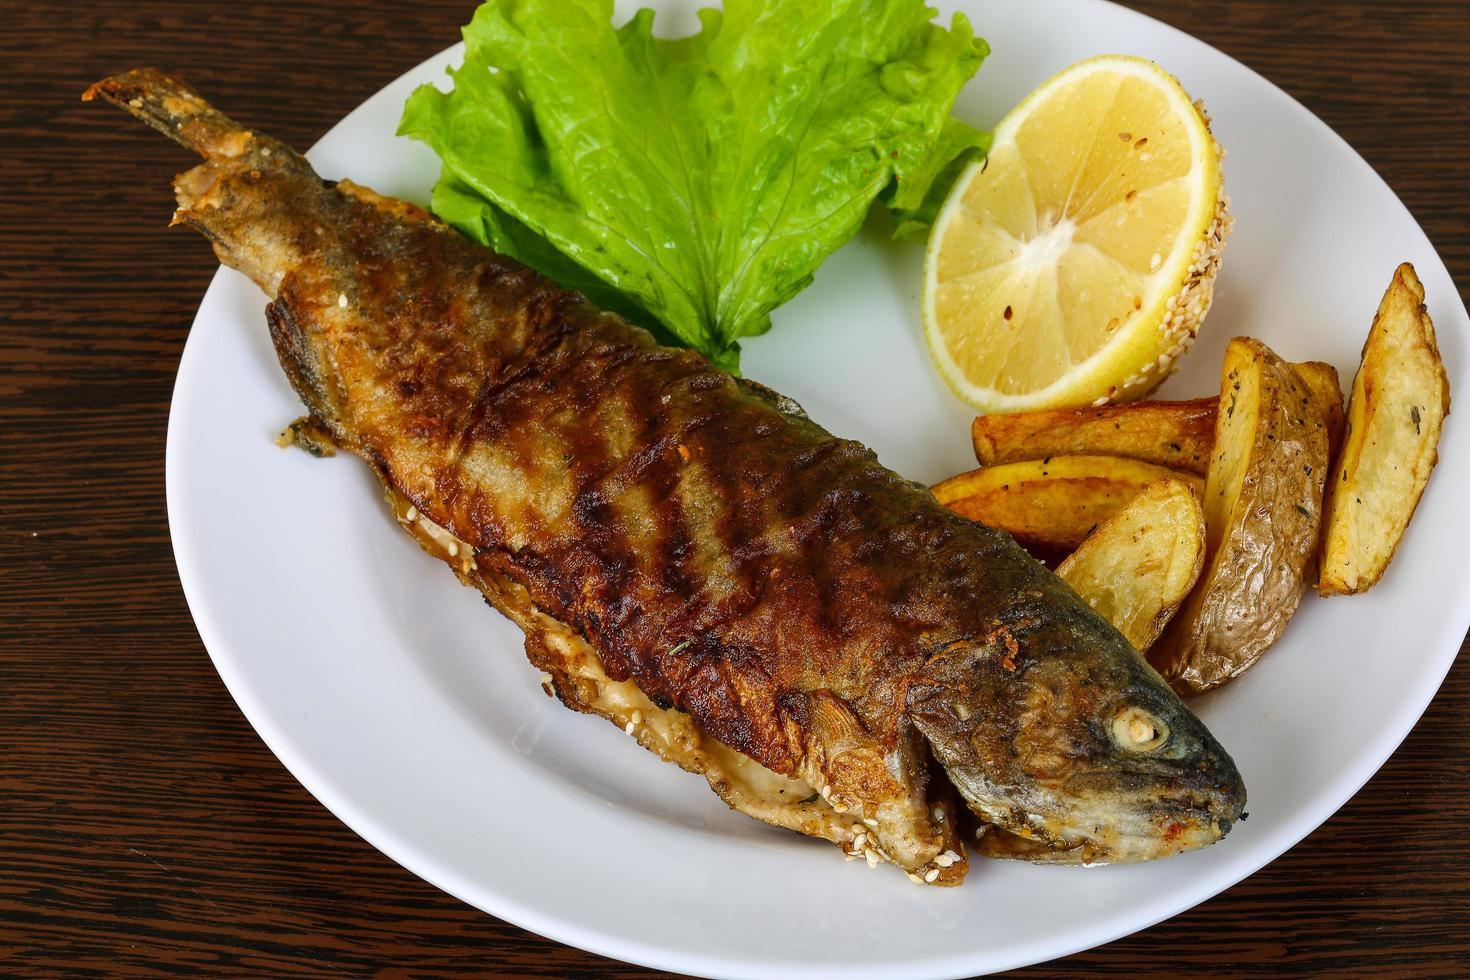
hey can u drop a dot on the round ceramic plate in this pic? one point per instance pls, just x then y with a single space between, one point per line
407 706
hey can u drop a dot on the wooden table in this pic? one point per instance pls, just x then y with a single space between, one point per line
143 824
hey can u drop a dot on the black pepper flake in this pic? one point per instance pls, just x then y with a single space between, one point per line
1302 510
1414 414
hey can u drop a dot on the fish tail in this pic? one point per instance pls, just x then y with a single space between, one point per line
252 197
175 110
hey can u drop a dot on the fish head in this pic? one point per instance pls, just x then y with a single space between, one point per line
1060 736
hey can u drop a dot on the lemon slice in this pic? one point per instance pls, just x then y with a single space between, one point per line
1074 264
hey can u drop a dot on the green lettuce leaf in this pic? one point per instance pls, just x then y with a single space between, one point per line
696 183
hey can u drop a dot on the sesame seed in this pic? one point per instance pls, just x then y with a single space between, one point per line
412 514
944 860
939 814
873 824
930 875
954 856
342 300
860 841
637 717
872 857
453 550
628 728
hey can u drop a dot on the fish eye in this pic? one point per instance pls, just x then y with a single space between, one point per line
1137 730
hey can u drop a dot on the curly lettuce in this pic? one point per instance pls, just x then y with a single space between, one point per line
695 184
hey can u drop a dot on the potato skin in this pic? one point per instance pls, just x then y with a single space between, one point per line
1263 508
1400 397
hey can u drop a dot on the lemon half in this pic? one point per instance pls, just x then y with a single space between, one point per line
1074 264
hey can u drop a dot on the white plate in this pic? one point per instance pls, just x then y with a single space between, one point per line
407 707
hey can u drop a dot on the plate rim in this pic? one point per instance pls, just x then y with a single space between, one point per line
1454 625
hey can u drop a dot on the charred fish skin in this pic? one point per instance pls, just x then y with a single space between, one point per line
805 606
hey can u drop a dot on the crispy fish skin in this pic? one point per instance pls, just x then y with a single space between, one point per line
805 606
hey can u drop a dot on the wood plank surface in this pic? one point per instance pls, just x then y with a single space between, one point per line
144 827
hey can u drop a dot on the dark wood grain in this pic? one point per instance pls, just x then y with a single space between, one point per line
144 828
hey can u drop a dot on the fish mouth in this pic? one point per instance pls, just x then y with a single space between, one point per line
1151 833
1103 824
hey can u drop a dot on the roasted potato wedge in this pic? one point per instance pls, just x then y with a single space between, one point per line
1263 510
1140 564
1322 379
1176 434
1053 503
1173 434
1400 397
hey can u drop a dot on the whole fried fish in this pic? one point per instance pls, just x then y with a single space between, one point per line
689 556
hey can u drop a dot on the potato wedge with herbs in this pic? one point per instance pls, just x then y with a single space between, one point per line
1176 434
1322 379
1173 434
1053 503
1140 564
1262 503
1400 397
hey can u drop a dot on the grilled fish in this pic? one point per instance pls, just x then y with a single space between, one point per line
689 555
